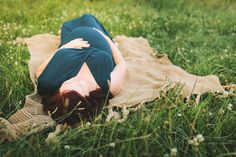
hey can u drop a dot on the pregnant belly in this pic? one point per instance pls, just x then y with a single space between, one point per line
94 38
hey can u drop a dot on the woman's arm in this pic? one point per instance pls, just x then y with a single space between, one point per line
76 43
43 65
118 74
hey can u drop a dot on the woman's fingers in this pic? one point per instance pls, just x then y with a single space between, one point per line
77 43
85 45
78 39
82 44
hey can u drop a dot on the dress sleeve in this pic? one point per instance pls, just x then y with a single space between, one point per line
101 65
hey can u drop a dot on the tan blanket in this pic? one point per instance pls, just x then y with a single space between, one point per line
147 73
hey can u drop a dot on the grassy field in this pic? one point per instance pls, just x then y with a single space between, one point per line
199 36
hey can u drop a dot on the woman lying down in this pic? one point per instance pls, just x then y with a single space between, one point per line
77 80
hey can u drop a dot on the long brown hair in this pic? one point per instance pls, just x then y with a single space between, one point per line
72 108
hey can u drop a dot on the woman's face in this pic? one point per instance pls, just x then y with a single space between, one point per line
73 84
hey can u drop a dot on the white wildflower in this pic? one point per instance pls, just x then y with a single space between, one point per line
190 142
200 138
196 140
210 114
229 107
112 144
195 143
221 111
173 152
66 147
166 155
179 114
88 124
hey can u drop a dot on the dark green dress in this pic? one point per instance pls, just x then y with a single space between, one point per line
67 62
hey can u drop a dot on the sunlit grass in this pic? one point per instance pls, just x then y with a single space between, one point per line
199 36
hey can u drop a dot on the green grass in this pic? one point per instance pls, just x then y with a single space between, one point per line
199 36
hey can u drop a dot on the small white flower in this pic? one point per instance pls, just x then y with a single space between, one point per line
229 107
200 138
195 139
190 142
179 114
221 111
112 144
210 114
88 123
195 143
166 155
173 152
66 147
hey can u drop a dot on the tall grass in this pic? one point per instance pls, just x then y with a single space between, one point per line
199 36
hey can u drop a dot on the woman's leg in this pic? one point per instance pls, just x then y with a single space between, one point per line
85 20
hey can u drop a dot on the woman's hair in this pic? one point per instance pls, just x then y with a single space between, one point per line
71 108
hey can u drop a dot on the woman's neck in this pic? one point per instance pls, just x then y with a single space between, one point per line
82 88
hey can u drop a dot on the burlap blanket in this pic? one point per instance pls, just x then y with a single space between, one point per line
148 74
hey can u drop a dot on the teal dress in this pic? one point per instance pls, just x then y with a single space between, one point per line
67 62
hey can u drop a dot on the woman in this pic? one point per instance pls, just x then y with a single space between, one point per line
79 78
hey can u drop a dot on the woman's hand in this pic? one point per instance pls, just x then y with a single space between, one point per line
78 43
